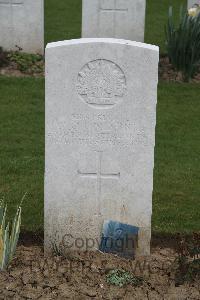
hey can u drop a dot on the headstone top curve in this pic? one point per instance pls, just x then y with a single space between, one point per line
101 40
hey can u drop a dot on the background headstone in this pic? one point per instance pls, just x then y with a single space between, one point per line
22 25
100 132
124 19
191 3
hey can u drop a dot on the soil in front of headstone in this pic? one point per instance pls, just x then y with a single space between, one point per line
85 276
167 72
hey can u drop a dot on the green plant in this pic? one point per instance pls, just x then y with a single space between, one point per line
120 278
27 63
183 43
8 240
188 261
56 250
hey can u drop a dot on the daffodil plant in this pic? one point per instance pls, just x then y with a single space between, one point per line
8 238
183 42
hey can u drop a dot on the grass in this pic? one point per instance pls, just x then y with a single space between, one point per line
63 20
176 205
22 146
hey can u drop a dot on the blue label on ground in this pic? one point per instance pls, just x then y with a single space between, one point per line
119 238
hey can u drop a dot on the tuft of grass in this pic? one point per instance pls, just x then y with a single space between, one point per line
122 278
8 236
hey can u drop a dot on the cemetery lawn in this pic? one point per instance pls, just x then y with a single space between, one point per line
176 199
22 147
176 205
63 20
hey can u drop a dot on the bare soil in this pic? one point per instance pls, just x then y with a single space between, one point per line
167 73
12 70
83 276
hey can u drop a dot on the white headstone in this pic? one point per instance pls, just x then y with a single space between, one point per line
124 19
22 25
191 3
101 99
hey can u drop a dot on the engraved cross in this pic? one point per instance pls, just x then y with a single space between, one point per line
114 9
11 3
99 175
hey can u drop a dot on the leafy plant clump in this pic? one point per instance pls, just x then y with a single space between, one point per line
27 63
183 43
188 260
121 278
8 238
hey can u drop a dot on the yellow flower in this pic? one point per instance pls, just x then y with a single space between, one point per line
193 11
1 244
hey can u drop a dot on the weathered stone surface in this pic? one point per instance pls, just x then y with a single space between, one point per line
22 25
100 130
124 19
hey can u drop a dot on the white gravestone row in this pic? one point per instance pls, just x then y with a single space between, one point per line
124 19
191 3
101 99
22 22
22 25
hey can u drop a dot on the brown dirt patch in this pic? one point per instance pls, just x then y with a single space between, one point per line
167 73
83 276
30 238
13 71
